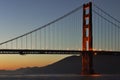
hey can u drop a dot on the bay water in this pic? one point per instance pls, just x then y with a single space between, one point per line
61 77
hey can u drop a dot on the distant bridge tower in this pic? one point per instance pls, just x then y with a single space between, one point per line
87 62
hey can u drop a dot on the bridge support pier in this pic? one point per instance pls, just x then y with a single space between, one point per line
87 62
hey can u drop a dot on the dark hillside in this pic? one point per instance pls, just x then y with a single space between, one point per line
72 65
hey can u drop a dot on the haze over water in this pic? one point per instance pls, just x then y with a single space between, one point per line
60 77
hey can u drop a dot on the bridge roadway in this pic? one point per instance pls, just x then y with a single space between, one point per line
69 52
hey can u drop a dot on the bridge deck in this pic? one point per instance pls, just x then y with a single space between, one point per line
70 52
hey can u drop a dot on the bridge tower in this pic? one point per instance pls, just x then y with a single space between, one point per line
87 62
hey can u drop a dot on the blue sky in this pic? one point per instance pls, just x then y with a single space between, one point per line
21 16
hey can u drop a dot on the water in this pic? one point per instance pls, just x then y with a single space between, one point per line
59 77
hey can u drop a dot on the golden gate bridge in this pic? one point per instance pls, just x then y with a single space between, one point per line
87 30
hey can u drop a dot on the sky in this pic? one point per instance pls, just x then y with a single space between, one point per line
20 16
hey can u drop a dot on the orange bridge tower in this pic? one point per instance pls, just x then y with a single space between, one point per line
87 62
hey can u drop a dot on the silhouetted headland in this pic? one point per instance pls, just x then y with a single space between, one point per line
72 65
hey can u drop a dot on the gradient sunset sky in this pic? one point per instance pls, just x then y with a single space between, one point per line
20 16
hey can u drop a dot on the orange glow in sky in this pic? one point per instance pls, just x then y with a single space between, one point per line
11 62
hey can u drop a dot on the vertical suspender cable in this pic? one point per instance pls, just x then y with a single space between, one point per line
26 41
31 39
36 40
101 32
21 43
16 43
